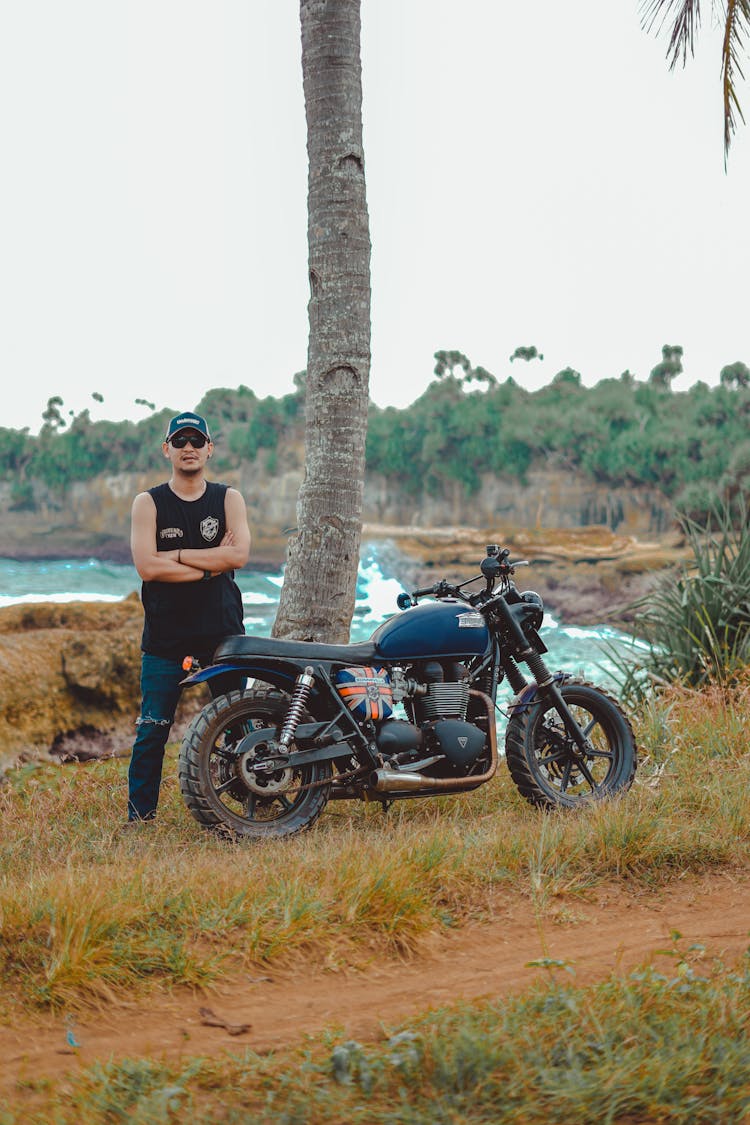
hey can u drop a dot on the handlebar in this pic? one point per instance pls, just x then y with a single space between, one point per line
500 568
441 589
425 590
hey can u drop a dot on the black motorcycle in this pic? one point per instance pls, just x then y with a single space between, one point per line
408 713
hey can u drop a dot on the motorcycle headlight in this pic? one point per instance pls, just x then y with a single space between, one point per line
535 616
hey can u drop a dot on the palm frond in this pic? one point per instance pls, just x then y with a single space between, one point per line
735 30
684 17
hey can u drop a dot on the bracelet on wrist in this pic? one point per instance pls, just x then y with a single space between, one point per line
179 552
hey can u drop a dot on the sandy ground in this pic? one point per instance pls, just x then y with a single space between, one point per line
613 931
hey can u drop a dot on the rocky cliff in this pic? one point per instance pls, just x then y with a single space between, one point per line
93 517
70 682
546 499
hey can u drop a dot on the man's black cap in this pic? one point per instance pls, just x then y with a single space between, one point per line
188 421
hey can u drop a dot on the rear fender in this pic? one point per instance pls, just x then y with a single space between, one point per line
279 675
282 678
525 698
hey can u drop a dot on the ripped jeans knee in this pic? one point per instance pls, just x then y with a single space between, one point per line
149 720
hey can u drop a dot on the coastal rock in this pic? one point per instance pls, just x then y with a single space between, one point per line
588 575
70 684
545 498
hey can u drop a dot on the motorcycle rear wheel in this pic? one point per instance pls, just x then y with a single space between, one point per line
544 761
212 785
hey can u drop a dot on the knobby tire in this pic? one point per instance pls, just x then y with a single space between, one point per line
538 749
235 714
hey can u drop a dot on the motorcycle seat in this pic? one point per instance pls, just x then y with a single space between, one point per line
243 646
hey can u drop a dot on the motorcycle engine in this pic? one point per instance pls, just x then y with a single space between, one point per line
438 740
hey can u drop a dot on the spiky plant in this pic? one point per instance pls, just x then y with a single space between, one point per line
696 622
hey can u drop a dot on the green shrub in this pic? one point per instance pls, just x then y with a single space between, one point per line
696 623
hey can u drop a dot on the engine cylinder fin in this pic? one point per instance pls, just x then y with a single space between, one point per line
446 700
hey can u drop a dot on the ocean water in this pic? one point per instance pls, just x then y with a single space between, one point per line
582 651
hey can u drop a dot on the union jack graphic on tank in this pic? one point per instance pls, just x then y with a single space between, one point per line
367 692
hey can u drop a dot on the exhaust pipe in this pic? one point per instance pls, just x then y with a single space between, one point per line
393 781
388 781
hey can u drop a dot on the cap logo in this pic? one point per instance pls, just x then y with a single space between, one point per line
186 422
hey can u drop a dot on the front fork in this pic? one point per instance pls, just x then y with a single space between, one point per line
547 685
552 691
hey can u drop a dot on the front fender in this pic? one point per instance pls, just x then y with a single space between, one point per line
526 697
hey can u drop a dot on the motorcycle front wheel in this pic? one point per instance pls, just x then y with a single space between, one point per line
547 766
222 792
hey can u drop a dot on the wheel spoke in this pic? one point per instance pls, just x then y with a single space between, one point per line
219 789
554 755
224 752
575 769
587 774
552 759
591 753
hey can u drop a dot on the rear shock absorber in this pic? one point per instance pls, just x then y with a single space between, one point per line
302 688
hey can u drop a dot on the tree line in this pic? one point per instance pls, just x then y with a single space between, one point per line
692 445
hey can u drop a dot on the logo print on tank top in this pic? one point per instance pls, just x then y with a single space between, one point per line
209 528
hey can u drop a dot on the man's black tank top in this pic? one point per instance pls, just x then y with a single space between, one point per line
188 618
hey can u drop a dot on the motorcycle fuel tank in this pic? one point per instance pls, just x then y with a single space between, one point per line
441 628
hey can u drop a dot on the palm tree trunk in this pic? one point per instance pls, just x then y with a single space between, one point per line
317 599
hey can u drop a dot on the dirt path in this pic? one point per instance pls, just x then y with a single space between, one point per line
615 931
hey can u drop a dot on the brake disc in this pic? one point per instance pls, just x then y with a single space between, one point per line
557 738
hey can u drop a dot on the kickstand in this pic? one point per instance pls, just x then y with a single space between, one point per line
386 804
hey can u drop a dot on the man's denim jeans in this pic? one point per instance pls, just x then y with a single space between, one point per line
160 691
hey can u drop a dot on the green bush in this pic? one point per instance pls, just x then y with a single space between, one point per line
696 623
621 432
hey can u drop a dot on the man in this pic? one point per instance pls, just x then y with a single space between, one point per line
188 536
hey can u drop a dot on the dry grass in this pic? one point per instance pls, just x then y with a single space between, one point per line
88 913
666 1045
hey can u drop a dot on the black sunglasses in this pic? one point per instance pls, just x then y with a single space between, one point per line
179 441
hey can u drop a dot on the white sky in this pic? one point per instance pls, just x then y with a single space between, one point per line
535 176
